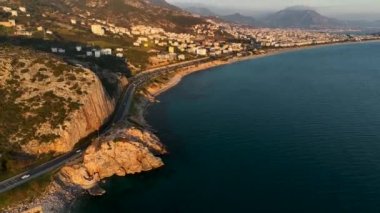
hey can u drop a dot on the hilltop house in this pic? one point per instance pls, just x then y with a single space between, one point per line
14 13
7 9
22 9
97 29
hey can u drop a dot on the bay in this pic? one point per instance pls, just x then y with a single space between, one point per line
294 132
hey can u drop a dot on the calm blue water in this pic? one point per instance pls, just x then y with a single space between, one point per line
295 132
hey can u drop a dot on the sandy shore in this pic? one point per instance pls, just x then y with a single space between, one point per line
269 52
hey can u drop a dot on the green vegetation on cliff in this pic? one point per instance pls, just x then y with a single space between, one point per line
38 94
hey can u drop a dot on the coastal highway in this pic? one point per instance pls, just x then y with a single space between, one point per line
121 111
38 171
119 116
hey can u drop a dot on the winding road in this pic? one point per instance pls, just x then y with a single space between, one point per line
120 114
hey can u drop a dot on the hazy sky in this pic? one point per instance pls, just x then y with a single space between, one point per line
328 6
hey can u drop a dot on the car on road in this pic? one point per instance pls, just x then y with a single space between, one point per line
78 151
25 176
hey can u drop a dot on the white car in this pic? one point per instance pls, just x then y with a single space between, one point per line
25 177
78 151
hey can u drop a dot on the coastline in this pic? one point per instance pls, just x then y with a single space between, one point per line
188 105
62 198
153 90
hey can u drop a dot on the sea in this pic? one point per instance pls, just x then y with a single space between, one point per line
293 132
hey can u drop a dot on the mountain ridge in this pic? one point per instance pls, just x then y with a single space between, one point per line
296 18
202 11
238 18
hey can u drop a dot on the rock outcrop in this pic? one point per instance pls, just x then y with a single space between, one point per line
96 108
123 152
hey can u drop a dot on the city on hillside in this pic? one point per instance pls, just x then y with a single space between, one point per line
156 46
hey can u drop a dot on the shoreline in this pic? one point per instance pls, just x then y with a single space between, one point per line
63 199
155 90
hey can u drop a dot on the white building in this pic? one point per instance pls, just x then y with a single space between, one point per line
97 29
22 9
7 9
54 50
73 21
14 13
171 49
201 52
78 48
106 51
97 53
89 53
181 57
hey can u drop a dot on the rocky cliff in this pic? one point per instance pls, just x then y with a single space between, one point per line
47 105
96 107
122 152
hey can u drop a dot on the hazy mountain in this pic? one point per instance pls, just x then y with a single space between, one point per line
224 11
300 8
200 11
238 18
163 3
292 17
298 17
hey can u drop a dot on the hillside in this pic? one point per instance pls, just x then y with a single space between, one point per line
47 105
121 12
300 18
202 11
237 18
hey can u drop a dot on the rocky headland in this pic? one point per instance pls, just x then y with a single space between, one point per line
122 152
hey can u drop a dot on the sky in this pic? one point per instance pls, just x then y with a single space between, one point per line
371 8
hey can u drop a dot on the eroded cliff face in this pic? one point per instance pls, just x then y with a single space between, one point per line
96 107
122 152
47 104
